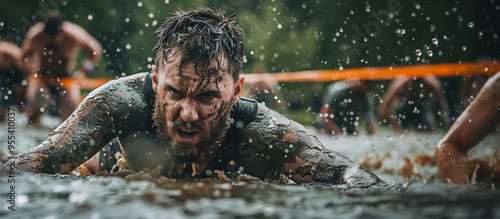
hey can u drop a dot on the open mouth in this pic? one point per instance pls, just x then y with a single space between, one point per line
187 133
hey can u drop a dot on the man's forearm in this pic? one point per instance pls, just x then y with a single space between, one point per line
452 164
73 142
331 167
106 113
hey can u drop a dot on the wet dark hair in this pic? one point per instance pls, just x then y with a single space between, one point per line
199 34
53 24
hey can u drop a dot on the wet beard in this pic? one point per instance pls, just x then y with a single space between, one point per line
210 141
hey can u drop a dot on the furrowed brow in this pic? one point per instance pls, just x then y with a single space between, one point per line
170 87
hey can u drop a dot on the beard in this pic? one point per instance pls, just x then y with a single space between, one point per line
210 139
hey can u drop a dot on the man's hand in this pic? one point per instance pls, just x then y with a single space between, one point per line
27 162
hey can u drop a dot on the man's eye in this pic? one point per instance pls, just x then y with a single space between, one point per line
174 92
208 96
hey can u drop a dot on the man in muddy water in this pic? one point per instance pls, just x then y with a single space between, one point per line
12 78
407 103
187 116
344 104
50 50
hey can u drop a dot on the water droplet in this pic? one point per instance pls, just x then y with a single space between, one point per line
430 53
435 41
151 15
90 17
470 25
464 48
139 4
418 52
279 26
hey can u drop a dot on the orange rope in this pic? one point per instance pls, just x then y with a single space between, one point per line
88 83
377 73
384 73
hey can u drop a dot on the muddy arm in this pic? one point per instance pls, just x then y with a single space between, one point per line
386 107
477 121
114 109
274 143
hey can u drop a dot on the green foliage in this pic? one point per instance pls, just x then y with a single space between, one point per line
283 35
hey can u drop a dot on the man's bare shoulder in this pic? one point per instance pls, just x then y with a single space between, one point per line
275 127
266 114
35 30
75 31
134 77
119 99
131 83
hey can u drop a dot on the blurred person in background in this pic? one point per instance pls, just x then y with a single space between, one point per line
344 104
12 78
407 103
266 90
50 50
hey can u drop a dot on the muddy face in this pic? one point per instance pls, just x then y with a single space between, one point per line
193 106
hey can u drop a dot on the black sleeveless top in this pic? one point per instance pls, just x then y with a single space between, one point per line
244 112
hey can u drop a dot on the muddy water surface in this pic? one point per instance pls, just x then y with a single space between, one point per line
404 161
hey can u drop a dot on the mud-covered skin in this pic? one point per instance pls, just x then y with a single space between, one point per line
115 109
274 143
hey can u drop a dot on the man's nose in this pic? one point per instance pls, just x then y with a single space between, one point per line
189 111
